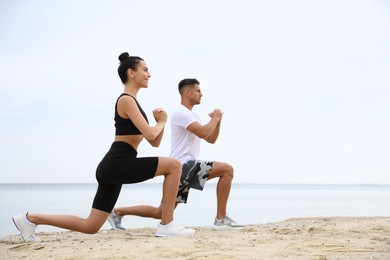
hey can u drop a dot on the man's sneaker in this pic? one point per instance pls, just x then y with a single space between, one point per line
115 221
226 223
26 228
172 230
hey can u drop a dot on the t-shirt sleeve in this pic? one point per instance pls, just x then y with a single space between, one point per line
183 118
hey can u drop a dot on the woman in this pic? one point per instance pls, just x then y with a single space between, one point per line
121 165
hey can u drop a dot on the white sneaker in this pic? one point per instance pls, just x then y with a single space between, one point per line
172 230
115 221
226 223
26 228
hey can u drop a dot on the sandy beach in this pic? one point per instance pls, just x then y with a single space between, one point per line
298 238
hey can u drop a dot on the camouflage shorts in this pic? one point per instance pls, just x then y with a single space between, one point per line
194 175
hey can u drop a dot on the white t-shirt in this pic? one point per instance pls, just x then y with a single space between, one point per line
184 144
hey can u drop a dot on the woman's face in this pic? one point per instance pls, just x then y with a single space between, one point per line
141 75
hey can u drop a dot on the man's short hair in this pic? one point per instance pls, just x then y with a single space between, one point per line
187 82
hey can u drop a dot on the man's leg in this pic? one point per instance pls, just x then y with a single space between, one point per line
167 167
145 211
225 172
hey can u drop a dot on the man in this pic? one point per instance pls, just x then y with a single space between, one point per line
187 132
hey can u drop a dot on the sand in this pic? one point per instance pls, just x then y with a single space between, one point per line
298 238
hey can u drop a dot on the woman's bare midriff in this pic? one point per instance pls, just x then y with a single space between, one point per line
133 140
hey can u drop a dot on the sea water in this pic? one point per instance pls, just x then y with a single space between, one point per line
248 203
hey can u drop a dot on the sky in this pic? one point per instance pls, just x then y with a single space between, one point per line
304 85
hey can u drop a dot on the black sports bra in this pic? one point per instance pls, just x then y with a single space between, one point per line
124 126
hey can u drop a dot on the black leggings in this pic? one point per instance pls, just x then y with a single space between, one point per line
120 166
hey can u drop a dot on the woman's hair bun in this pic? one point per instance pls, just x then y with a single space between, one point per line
124 56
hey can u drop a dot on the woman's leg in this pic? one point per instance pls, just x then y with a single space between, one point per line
90 225
105 199
26 223
171 169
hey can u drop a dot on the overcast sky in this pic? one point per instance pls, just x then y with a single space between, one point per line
304 85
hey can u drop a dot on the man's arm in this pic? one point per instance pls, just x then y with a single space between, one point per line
209 131
214 135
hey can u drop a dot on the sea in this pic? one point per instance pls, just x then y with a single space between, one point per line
248 203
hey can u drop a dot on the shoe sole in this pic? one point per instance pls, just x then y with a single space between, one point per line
171 235
222 228
174 235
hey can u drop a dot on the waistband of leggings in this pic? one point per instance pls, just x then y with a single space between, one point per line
123 145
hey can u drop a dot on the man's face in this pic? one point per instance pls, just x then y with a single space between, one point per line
195 95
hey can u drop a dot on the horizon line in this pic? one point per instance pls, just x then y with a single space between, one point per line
160 183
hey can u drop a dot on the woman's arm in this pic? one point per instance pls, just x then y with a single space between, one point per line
157 114
128 107
157 141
